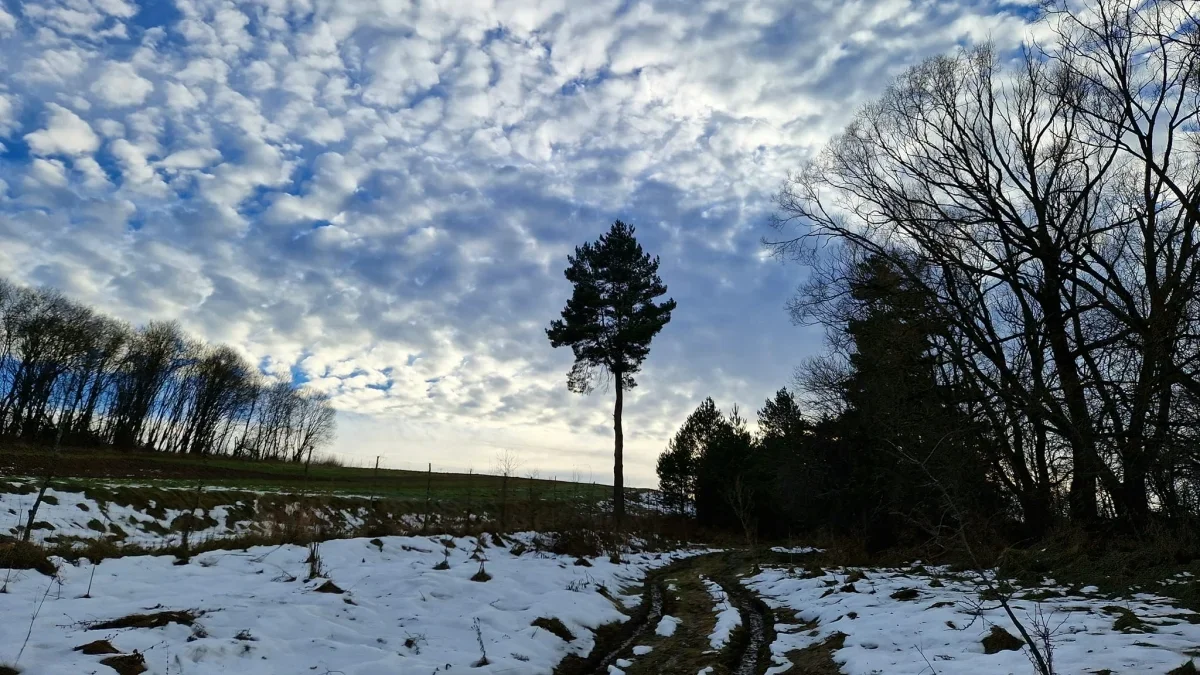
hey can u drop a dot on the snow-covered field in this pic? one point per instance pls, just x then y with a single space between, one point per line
71 514
150 515
255 613
904 623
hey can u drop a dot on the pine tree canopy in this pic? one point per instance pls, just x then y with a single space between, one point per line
612 315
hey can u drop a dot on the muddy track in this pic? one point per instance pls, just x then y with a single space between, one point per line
750 652
612 641
758 623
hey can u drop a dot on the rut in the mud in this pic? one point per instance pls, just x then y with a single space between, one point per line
614 640
747 654
757 622
652 616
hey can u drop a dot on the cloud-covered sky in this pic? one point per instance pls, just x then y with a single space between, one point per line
377 197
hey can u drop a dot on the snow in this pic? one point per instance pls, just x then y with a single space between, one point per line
667 626
728 616
796 549
897 636
73 515
397 615
642 650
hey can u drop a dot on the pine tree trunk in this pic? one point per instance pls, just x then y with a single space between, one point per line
618 471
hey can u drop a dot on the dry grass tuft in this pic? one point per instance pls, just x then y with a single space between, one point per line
156 620
98 647
817 659
1000 640
554 627
328 587
127 664
20 555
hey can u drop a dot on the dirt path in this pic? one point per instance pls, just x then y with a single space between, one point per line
678 591
758 624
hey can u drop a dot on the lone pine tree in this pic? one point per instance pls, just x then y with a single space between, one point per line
609 322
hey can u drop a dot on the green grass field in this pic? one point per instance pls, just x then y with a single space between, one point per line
80 467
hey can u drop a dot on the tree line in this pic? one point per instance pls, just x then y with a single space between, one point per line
1005 257
69 374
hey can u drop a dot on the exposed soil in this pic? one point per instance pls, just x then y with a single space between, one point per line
612 640
817 659
758 625
154 620
98 647
747 653
555 627
127 664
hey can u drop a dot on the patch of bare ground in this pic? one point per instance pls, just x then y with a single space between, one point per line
817 659
126 664
98 647
152 620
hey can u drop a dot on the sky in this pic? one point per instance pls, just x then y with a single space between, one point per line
376 198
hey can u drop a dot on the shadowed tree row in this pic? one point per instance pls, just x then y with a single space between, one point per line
69 374
1004 252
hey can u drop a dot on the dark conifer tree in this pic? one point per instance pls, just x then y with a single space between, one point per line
906 426
609 322
678 464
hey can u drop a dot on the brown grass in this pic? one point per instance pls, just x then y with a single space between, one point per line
328 587
154 620
98 647
817 659
1000 640
554 627
126 664
19 555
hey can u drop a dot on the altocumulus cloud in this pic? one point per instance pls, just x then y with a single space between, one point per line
376 197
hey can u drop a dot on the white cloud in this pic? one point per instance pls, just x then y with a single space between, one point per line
119 85
192 158
136 171
65 134
109 128
87 20
8 114
48 172
8 22
56 66
181 97
93 174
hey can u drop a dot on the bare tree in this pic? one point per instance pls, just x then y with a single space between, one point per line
316 424
1050 209
66 371
507 464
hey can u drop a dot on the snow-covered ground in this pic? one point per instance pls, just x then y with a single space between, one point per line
728 616
153 520
70 515
796 550
904 623
257 614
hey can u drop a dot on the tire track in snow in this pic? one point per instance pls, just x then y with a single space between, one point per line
757 620
752 655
